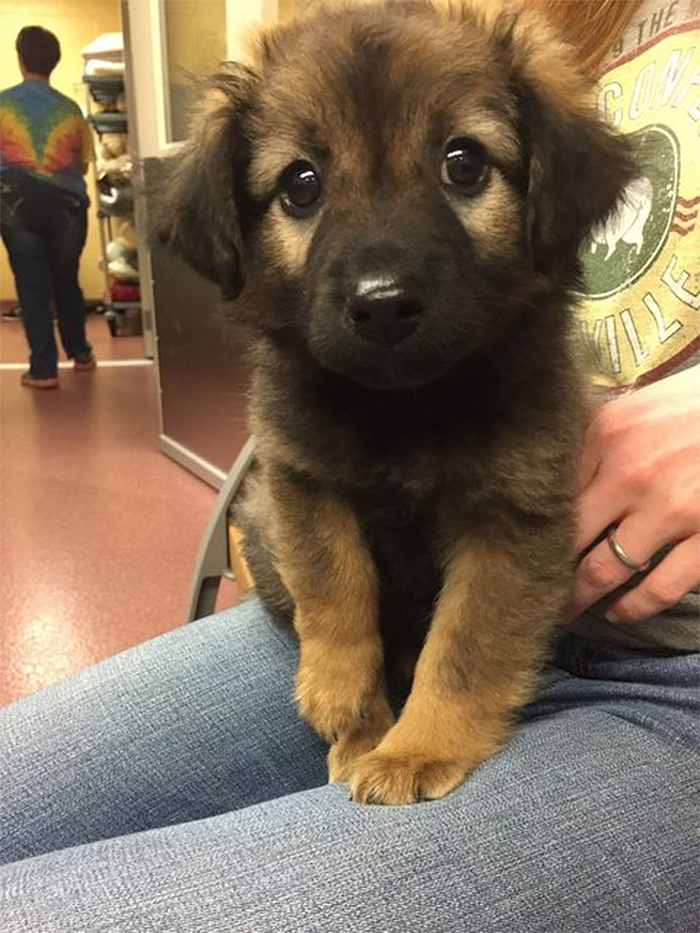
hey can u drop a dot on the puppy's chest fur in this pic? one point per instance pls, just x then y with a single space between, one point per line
402 536
499 435
401 531
417 473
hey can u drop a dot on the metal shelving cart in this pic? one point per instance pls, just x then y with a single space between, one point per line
114 202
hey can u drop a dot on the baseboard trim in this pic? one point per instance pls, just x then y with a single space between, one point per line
6 304
206 471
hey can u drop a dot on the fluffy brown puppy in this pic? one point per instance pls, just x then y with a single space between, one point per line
398 193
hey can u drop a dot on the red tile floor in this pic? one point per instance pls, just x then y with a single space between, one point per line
99 529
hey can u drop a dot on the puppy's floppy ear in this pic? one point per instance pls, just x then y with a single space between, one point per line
198 213
577 166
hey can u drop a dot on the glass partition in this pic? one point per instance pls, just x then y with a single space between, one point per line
194 43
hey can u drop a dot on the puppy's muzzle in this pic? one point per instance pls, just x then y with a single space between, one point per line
382 311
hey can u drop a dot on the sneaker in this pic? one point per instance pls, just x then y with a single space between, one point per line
39 382
82 364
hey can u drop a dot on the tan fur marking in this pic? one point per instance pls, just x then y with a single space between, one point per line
498 137
488 621
490 218
288 239
272 156
329 573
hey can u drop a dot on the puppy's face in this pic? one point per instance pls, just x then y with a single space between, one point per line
391 191
398 184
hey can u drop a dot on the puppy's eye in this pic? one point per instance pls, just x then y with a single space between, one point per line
465 165
300 189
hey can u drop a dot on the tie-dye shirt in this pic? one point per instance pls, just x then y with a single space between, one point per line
43 133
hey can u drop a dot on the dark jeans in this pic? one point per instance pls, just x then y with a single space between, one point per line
44 230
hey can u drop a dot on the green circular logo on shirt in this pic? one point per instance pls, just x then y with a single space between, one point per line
620 250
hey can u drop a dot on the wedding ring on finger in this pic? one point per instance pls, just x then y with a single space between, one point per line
622 555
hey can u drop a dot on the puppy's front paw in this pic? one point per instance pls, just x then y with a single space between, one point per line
390 778
352 745
334 701
345 752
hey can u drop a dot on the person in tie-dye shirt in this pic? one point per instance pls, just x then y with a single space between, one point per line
45 146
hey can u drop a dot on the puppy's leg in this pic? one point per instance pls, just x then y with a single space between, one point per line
327 569
478 665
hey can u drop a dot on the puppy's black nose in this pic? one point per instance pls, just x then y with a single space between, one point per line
384 312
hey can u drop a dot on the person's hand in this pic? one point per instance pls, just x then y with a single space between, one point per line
640 472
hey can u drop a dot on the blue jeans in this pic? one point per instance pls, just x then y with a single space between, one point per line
44 231
174 788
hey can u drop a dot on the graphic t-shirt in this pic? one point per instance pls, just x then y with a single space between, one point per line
641 317
44 134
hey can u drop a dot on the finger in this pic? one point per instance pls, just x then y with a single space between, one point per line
589 462
598 574
666 585
598 506
601 571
